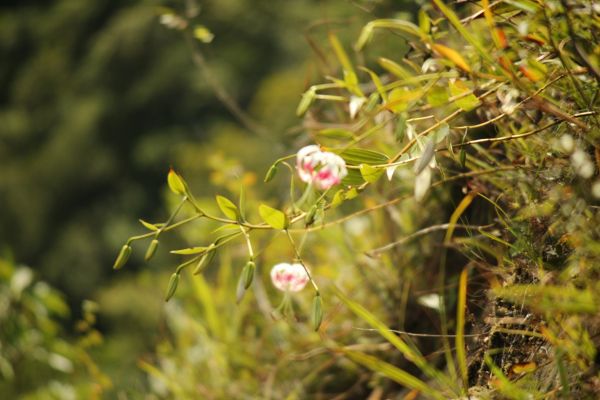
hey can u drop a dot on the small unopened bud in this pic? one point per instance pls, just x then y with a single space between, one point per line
205 260
173 282
248 274
122 257
317 312
151 250
271 173
309 219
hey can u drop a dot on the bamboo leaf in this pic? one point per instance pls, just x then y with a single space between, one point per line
363 156
336 133
466 100
451 55
394 68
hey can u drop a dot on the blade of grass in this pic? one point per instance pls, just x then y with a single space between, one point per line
394 373
455 21
411 354
461 307
504 385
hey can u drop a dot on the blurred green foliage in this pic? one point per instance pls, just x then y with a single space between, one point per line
472 145
38 360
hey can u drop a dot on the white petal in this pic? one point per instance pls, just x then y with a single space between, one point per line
355 105
422 183
390 171
432 300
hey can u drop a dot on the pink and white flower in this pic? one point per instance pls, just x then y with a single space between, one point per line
289 277
322 169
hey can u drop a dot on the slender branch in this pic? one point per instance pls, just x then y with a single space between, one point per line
421 232
299 258
226 99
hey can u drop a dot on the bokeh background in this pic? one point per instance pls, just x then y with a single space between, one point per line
98 101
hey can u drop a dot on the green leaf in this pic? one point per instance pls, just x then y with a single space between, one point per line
409 352
437 96
354 178
336 133
401 126
275 218
392 372
338 198
553 299
176 182
203 34
455 21
228 208
524 5
394 68
148 225
226 236
363 156
307 99
424 22
467 100
401 99
190 250
396 24
369 173
377 82
451 55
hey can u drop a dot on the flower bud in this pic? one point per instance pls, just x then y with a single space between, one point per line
205 260
317 312
122 257
151 250
173 282
289 277
271 173
309 219
322 169
248 274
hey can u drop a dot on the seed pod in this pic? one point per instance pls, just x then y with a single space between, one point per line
122 257
248 274
271 173
151 250
205 260
173 282
317 312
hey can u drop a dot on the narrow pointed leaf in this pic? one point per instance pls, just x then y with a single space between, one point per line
228 208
